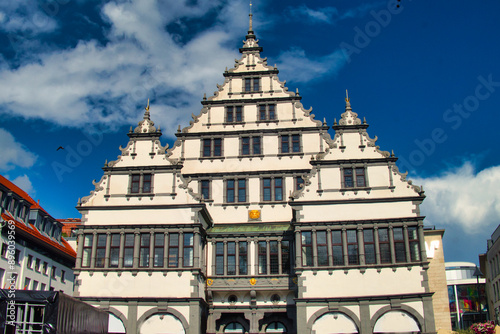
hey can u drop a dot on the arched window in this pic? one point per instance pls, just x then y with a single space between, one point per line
234 327
276 327
334 323
396 322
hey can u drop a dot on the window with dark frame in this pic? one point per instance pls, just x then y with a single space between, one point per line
219 258
337 248
251 145
188 250
173 250
290 143
243 257
128 250
322 248
100 253
63 276
145 239
369 245
299 183
399 244
158 250
354 177
262 257
413 243
212 147
285 257
272 189
267 112
87 249
306 246
114 250
205 189
352 247
236 190
384 246
231 258
141 183
53 272
29 261
234 114
273 257
252 84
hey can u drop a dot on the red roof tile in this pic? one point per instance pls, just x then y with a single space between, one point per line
33 232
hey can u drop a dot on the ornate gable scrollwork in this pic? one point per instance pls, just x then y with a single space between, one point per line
185 185
371 143
98 187
417 189
307 181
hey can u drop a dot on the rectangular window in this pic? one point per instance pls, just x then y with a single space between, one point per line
252 84
369 244
354 177
231 258
337 248
45 267
63 276
256 84
114 251
413 242
290 143
128 250
212 147
173 250
399 244
141 183
4 250
219 258
87 249
159 248
100 252
285 257
43 287
251 146
352 247
136 181
205 189
322 248
248 84
35 285
307 256
262 252
27 282
385 248
29 261
267 112
146 183
272 189
274 257
144 250
240 191
53 272
299 183
37 265
234 114
188 250
243 257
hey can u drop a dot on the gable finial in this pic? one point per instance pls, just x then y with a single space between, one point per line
250 28
347 100
146 114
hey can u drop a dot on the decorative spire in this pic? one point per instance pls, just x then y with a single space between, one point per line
347 101
146 125
250 28
349 117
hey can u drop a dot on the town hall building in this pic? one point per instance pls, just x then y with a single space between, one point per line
256 220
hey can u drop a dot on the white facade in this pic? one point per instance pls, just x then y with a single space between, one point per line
256 220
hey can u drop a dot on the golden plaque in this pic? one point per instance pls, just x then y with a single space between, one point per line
254 214
253 281
210 282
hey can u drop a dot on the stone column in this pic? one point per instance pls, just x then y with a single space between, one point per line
137 245
122 249
94 248
108 249
79 252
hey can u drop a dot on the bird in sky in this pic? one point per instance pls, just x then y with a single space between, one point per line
60 148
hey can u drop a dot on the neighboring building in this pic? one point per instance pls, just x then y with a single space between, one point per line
43 259
466 305
70 226
437 279
490 265
256 221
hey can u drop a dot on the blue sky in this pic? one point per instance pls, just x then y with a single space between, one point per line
78 73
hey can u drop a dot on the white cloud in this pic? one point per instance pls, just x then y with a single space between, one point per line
329 15
14 154
25 184
28 17
296 64
463 198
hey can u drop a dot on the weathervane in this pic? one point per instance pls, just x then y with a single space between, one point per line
147 107
346 96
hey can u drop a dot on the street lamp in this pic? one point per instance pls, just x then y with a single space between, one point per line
477 273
